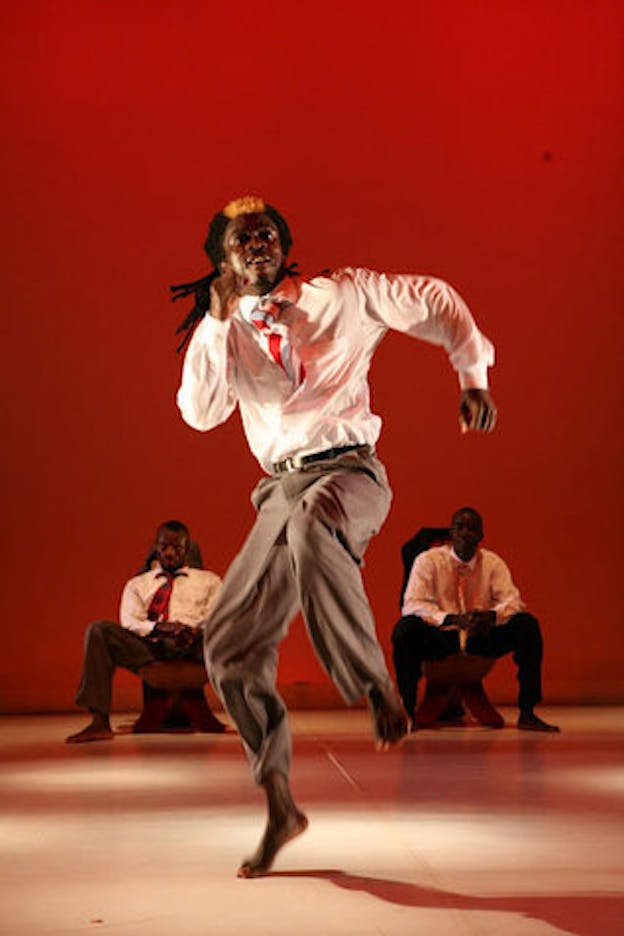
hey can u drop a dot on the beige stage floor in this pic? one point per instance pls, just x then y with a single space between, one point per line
459 832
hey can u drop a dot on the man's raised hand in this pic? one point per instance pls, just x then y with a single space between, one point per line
224 293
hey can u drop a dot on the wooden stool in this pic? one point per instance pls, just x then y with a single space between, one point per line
173 698
453 680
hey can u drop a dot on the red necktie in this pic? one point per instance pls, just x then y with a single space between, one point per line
159 605
266 318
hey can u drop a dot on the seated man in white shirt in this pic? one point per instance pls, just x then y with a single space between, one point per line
459 596
161 613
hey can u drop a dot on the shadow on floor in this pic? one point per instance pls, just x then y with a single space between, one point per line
585 915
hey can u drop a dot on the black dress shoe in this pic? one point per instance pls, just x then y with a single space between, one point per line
535 723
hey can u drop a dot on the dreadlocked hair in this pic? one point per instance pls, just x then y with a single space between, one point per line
213 246
200 289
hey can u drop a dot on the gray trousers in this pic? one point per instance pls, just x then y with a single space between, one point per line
109 645
303 552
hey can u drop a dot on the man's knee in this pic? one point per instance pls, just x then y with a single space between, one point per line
526 624
98 631
404 630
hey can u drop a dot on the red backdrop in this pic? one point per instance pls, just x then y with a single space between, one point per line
477 141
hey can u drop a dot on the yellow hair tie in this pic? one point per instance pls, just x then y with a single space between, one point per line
248 204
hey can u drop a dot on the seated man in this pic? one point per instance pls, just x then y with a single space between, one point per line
460 597
161 614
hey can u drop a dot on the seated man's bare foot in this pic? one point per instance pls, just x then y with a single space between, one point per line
389 719
97 730
276 835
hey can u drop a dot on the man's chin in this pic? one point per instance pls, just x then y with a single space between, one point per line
262 281
465 554
259 286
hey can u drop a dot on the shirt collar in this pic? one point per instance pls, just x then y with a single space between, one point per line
247 304
287 292
159 572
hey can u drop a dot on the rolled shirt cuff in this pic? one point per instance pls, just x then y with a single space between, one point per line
474 378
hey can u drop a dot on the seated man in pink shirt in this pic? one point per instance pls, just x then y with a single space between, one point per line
459 596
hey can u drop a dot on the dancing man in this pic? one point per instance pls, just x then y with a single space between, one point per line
294 355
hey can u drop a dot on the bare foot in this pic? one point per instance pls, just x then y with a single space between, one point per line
97 730
276 835
389 719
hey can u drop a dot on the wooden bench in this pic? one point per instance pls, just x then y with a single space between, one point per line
453 682
174 700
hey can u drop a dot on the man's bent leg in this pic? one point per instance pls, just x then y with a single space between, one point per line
334 515
241 636
107 645
247 621
413 641
520 635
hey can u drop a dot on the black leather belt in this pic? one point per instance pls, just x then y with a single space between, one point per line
299 462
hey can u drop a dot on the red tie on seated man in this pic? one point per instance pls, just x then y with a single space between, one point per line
158 610
169 638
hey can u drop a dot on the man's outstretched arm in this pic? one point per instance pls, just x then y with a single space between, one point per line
430 309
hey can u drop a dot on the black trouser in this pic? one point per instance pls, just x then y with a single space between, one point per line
107 646
414 641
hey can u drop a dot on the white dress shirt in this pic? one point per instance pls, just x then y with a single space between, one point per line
431 592
333 324
192 594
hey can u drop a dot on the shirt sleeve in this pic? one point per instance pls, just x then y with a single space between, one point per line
429 309
506 600
212 591
206 398
420 592
133 610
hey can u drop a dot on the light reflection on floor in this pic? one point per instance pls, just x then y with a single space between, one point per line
462 831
